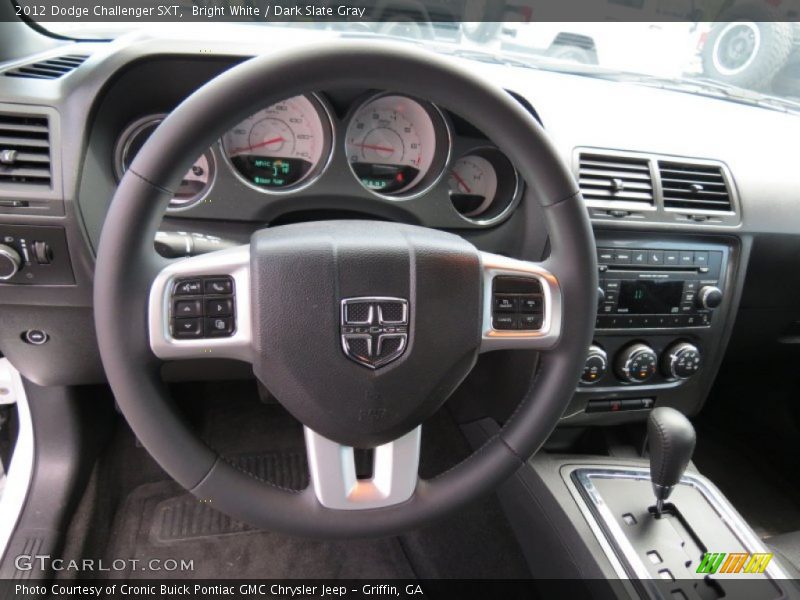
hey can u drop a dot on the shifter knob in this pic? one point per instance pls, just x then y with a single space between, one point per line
671 442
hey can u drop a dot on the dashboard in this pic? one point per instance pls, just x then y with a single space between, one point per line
665 175
396 148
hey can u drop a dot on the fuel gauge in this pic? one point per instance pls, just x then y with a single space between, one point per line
483 185
473 185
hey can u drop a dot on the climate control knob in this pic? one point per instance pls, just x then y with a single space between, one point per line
596 365
709 296
10 262
636 363
681 361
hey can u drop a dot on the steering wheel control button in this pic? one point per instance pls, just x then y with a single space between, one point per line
219 286
219 307
188 308
505 303
505 322
517 303
219 326
190 287
203 307
531 304
36 337
374 330
188 328
530 322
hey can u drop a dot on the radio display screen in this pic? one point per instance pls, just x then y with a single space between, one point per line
649 297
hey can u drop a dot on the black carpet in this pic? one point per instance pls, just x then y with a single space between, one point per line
132 510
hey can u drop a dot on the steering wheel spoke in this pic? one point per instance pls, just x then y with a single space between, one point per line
199 307
522 306
333 472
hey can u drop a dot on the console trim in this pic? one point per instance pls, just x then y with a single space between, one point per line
579 482
20 471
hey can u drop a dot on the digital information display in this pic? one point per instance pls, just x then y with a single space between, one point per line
649 297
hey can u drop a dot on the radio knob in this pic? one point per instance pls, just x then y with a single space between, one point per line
636 363
596 365
709 296
10 262
682 360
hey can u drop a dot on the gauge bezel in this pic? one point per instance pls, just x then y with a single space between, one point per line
442 152
123 145
325 115
510 195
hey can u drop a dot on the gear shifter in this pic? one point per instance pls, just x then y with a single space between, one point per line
671 442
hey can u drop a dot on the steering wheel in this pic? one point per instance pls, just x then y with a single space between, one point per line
361 330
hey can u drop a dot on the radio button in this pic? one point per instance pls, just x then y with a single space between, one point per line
701 259
655 257
688 297
671 257
611 285
605 255
622 257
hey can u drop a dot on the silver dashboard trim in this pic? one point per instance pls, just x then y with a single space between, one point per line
234 262
495 265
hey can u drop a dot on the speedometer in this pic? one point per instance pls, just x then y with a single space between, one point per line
396 144
283 146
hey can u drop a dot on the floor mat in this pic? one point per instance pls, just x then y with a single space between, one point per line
220 547
768 501
138 513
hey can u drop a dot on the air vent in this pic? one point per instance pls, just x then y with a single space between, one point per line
52 68
694 187
24 151
610 178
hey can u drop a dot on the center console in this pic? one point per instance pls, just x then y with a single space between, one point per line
627 526
664 311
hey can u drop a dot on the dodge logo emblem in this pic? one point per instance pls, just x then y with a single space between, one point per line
374 330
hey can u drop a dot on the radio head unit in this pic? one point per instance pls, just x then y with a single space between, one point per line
656 288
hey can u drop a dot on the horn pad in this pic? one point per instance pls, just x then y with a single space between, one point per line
363 329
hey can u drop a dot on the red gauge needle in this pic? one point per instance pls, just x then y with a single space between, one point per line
461 182
374 147
274 140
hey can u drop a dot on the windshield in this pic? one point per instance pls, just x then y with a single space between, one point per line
752 61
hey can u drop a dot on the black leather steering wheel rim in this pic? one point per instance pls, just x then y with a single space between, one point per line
127 264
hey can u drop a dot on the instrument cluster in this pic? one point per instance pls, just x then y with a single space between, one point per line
397 148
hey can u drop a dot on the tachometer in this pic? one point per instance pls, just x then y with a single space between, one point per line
395 144
282 146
